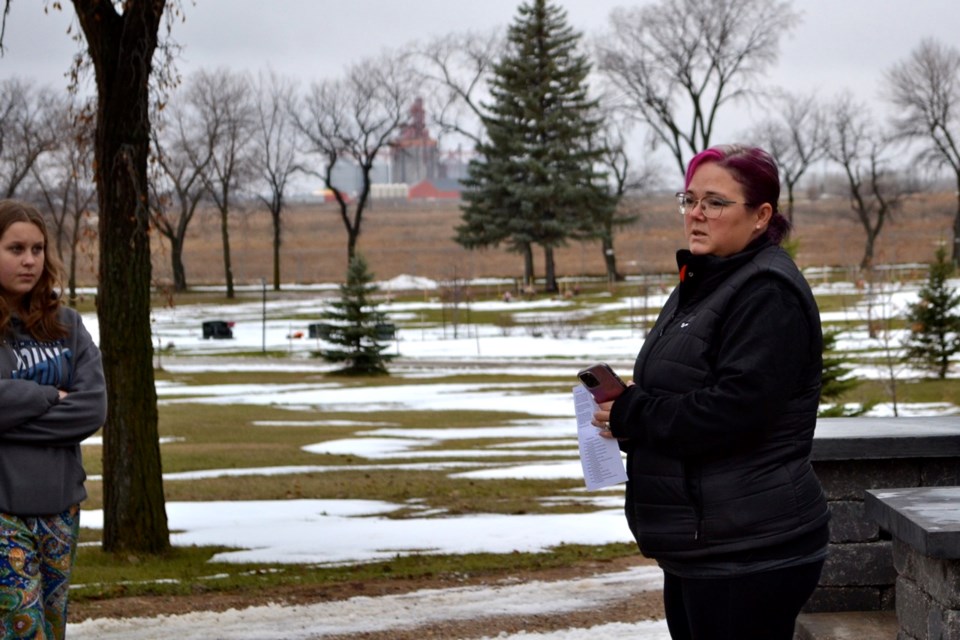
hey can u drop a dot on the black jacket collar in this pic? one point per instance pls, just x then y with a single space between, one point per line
700 274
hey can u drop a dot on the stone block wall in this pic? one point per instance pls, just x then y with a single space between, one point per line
928 595
925 526
851 456
858 574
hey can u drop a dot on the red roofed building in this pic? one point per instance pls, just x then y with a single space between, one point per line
437 189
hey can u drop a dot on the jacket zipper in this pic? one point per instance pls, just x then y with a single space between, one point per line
695 498
668 321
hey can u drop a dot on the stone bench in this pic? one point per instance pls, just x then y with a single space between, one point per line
925 525
852 455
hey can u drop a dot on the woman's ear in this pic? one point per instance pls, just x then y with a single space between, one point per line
764 214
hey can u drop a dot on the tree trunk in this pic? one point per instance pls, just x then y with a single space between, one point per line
790 202
353 230
276 249
176 264
866 264
955 254
528 273
610 259
872 231
227 264
352 235
121 47
72 269
550 271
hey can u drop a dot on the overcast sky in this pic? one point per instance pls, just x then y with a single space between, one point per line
840 44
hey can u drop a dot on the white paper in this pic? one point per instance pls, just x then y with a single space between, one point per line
599 456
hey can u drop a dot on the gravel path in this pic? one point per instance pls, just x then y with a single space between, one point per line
615 604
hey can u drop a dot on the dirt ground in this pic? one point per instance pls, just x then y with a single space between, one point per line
649 606
417 239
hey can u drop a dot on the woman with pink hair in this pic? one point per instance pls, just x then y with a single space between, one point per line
718 423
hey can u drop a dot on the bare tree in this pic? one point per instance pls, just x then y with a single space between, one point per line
28 119
223 104
275 152
182 150
64 181
624 178
925 89
349 122
876 192
883 320
796 137
677 62
455 68
121 40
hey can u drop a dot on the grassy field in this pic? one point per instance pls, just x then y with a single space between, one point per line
416 239
228 437
204 436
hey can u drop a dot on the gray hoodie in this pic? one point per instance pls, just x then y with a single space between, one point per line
41 470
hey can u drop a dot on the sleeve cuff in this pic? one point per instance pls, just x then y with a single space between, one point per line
619 413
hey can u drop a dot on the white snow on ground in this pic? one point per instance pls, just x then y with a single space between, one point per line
331 532
426 397
366 614
348 531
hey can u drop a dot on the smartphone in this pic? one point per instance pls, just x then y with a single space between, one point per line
602 383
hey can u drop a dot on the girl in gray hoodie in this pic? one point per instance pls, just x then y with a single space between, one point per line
52 397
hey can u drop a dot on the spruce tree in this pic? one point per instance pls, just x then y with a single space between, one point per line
836 380
355 325
534 182
933 321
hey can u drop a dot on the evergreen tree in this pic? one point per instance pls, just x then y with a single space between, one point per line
355 325
933 322
534 182
836 380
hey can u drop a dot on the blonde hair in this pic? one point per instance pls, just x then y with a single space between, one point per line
39 309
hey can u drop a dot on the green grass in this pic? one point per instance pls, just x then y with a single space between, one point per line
838 302
203 378
188 571
208 436
211 436
226 437
908 392
412 490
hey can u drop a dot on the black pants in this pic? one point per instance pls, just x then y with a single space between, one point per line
759 606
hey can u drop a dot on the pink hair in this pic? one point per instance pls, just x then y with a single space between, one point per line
756 171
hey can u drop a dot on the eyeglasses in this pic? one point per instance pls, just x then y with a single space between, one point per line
710 206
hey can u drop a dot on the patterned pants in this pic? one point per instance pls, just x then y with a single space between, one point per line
36 557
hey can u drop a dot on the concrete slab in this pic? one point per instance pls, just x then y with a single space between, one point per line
885 438
926 518
847 625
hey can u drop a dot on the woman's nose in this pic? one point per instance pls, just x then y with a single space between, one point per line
697 208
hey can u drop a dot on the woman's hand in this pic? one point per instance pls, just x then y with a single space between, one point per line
601 419
63 394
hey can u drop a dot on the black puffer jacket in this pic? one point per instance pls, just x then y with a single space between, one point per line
719 426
